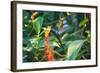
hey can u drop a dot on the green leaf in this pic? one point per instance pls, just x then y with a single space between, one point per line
37 24
83 22
26 41
35 42
54 44
64 36
74 49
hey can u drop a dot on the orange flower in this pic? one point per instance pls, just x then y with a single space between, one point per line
48 52
50 55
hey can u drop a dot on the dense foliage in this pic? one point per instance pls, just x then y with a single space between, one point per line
56 36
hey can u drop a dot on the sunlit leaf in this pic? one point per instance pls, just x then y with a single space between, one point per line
74 49
37 24
83 22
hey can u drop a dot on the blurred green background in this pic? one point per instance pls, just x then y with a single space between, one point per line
70 35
